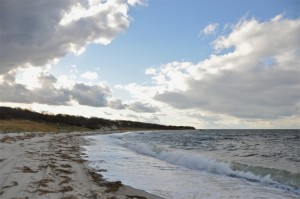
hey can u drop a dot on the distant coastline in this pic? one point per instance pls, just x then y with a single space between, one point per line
20 120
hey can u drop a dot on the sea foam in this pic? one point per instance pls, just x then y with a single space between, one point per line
186 173
196 161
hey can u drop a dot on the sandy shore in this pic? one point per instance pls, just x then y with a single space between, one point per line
49 165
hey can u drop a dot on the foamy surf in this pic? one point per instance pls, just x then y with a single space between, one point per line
181 173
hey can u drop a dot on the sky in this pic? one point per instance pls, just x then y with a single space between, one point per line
202 63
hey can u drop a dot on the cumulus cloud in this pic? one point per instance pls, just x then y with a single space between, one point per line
48 93
28 77
34 33
95 95
142 107
116 104
210 29
65 81
137 2
259 78
136 106
141 92
91 76
62 91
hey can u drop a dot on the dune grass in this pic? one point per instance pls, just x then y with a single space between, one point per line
15 126
7 126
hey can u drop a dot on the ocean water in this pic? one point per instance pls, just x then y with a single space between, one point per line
202 164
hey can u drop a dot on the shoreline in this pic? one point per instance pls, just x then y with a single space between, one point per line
50 165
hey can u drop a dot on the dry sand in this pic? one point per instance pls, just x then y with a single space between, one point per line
39 165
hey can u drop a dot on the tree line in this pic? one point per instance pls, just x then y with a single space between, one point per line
93 123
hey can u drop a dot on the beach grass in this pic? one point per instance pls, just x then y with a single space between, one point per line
14 125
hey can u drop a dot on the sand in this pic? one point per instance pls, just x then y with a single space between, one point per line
49 165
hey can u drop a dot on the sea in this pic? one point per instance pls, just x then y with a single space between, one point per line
196 164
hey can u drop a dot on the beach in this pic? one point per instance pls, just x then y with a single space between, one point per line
50 165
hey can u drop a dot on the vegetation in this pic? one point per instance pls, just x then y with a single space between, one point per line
66 121
32 126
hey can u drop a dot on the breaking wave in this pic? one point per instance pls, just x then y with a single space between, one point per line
268 176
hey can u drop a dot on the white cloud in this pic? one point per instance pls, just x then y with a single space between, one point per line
277 18
137 2
68 80
64 82
142 92
150 71
258 80
210 29
29 77
175 73
91 76
34 33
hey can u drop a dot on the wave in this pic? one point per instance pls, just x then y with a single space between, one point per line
277 175
268 176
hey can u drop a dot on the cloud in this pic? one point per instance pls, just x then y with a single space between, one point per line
150 71
210 29
259 78
91 76
29 77
142 107
141 118
48 93
116 104
62 91
141 92
65 82
95 95
10 91
136 106
137 2
34 33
